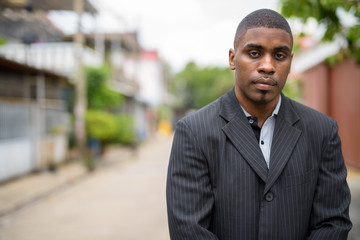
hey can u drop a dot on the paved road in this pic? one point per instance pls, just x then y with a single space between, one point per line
123 201
355 208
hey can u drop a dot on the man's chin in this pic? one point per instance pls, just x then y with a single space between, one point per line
264 98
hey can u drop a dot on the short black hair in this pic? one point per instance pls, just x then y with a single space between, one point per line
262 18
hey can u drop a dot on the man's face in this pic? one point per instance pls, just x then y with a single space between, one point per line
262 61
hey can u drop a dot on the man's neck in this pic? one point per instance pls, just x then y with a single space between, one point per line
260 111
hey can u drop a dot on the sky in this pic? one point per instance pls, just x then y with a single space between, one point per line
181 31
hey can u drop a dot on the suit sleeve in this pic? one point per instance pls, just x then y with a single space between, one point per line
188 192
330 211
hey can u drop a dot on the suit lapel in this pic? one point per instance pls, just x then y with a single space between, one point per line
284 141
239 131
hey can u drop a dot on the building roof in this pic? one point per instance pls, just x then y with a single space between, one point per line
315 55
7 65
28 27
46 5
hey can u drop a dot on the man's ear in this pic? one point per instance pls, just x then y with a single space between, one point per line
232 59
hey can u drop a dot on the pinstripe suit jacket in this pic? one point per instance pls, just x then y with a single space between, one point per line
219 187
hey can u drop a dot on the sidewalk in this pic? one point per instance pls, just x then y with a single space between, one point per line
18 193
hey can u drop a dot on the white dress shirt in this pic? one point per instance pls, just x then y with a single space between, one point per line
267 132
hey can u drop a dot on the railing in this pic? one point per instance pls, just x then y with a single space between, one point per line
57 57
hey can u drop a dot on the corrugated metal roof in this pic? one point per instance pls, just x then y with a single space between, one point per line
46 5
28 27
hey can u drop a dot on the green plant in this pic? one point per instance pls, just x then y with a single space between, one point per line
126 134
101 125
110 128
292 88
98 94
327 14
195 86
3 41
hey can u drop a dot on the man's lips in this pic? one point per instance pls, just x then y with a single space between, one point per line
265 83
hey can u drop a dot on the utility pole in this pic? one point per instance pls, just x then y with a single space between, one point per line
80 85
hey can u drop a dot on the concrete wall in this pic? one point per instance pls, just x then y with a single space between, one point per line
16 158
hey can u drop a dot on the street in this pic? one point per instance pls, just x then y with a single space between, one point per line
125 200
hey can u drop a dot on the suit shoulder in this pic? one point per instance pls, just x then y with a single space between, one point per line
203 117
310 115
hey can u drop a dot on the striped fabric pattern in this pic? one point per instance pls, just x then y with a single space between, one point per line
219 187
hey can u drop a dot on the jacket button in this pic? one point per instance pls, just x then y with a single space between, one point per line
269 196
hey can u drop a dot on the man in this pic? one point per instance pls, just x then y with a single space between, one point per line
255 164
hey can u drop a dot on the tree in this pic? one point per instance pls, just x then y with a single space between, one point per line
98 94
326 14
194 87
101 124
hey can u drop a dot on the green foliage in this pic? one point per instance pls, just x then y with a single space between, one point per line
110 128
292 89
101 125
324 11
3 41
126 132
98 94
164 112
199 86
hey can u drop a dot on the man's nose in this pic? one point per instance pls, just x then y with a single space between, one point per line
266 65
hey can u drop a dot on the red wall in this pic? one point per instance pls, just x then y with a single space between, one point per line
336 92
345 108
316 88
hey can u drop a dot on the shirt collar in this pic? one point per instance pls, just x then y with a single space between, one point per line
274 113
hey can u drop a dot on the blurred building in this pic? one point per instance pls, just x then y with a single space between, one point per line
45 5
333 91
33 118
37 75
34 96
137 74
150 76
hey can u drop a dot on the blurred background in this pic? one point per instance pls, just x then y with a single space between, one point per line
90 92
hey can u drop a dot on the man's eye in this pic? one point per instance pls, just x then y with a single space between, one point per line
280 56
254 54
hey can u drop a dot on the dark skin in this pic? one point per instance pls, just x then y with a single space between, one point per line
262 61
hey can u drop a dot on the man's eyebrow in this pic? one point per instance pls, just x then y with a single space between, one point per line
284 48
253 45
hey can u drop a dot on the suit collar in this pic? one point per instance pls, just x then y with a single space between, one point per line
287 112
229 105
